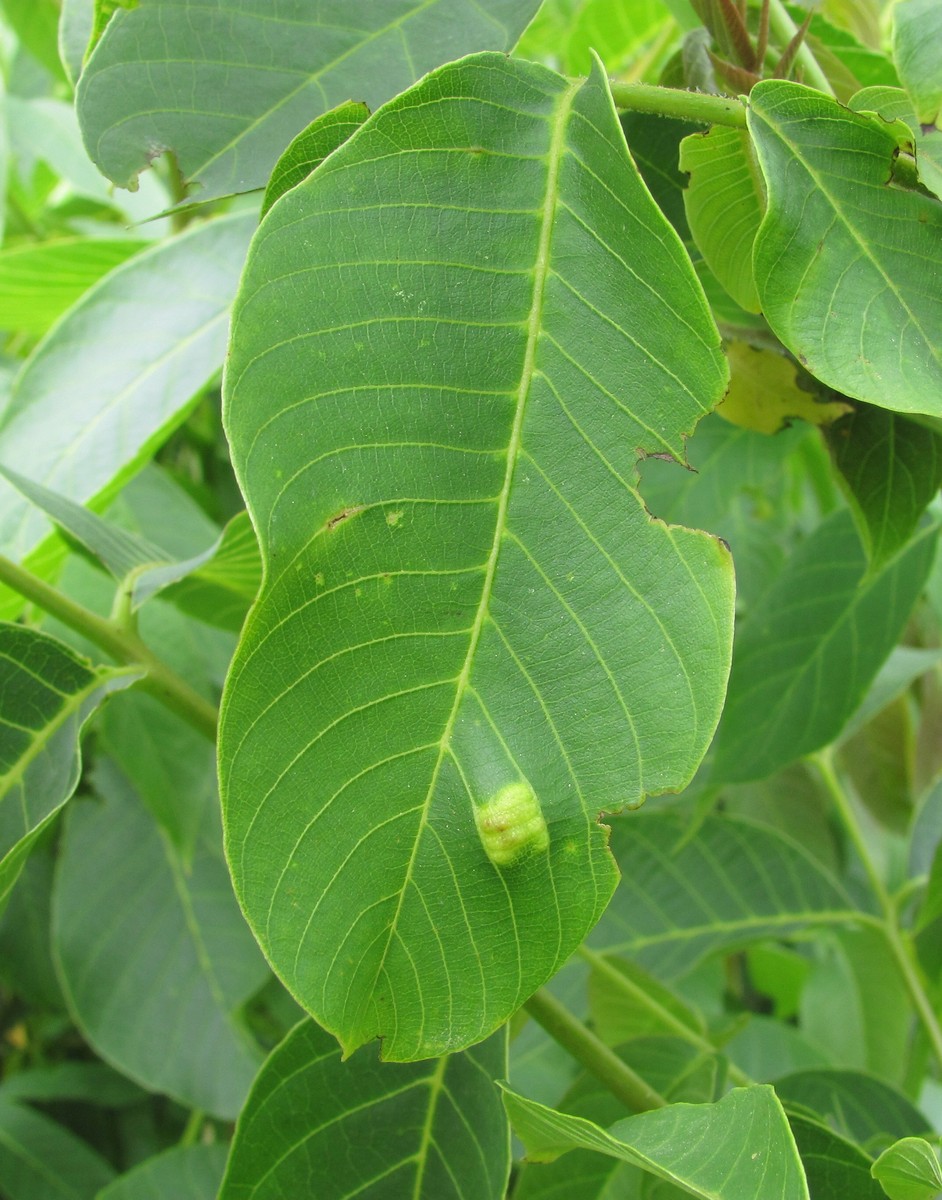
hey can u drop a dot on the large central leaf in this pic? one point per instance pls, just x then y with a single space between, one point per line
472 638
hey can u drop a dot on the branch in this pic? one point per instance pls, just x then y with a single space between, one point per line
594 1055
161 681
703 108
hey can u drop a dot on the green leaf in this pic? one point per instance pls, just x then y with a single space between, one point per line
47 693
725 201
227 84
153 956
41 1160
39 282
316 1125
220 591
312 145
764 392
859 1107
618 1015
737 1149
86 1082
75 30
624 36
104 389
891 468
807 653
735 882
909 1170
435 416
26 965
917 34
892 104
834 257
836 1168
36 25
184 1173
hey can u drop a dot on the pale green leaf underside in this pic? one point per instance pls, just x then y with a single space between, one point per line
736 882
724 202
916 36
226 84
314 1125
740 1148
118 372
893 104
47 693
847 267
446 354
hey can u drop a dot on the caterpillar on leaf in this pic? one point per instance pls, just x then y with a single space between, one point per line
511 825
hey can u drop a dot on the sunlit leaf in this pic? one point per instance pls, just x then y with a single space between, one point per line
909 1170
119 372
764 394
435 418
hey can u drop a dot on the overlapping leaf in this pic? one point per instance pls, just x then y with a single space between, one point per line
846 267
184 1173
737 1149
47 693
807 654
312 145
909 1170
733 883
109 382
315 1125
42 1160
435 417
916 35
226 84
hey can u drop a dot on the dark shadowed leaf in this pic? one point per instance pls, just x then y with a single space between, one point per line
892 468
860 1107
41 1160
184 1173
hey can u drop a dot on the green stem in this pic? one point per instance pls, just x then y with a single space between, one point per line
161 681
193 1128
664 1016
899 948
594 1055
784 29
180 215
702 108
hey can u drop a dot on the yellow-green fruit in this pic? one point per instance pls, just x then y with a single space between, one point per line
511 824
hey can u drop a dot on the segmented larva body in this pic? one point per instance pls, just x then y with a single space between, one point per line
511 825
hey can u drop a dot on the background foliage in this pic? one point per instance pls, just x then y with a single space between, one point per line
492 416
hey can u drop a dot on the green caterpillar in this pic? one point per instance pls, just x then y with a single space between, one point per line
511 825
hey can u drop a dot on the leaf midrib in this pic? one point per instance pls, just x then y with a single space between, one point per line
534 325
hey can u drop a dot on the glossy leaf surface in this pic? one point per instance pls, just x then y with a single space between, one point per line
435 418
111 380
227 84
47 693
153 956
315 1125
737 1149
847 267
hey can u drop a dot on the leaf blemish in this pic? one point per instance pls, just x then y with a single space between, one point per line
344 515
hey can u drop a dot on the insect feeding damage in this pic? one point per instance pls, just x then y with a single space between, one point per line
511 825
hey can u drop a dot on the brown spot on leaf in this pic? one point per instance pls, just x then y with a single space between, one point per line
344 515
